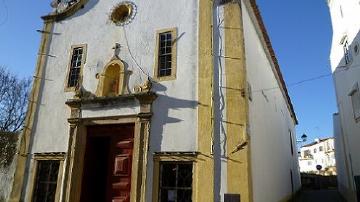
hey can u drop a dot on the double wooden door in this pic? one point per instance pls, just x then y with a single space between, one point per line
107 164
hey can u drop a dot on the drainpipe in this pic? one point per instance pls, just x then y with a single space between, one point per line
215 105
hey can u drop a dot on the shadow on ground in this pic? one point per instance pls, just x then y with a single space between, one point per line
321 195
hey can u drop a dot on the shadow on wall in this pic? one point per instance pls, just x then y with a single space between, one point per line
162 105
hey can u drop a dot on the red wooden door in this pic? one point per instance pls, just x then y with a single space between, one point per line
107 164
121 170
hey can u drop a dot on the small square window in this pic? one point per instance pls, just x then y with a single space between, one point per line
307 154
46 180
175 182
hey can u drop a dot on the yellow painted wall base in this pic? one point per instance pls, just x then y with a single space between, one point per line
204 166
30 116
238 169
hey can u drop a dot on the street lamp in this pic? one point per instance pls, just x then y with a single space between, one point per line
303 138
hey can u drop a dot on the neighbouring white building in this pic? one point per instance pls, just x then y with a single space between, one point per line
320 152
345 65
161 100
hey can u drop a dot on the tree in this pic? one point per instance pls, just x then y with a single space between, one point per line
13 100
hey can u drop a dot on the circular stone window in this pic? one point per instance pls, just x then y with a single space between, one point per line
356 48
123 13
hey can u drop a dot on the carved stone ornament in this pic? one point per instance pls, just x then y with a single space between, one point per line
145 87
81 92
123 13
61 5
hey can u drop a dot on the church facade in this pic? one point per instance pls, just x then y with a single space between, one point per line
169 100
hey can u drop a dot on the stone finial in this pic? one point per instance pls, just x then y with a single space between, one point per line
81 92
54 3
145 87
116 49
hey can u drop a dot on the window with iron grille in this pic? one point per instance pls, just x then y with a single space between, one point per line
165 54
291 144
46 180
355 99
357 184
175 182
347 53
75 66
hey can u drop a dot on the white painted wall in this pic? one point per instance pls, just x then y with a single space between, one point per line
345 187
346 26
270 124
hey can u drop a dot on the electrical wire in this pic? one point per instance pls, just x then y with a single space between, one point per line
132 56
337 71
293 84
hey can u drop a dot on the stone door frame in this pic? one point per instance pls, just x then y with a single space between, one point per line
71 187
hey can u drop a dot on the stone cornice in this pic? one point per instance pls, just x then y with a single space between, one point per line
143 98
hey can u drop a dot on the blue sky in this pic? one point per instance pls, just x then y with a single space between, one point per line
300 32
19 41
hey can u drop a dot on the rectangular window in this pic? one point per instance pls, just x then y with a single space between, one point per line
291 144
46 180
357 186
231 197
165 47
355 99
175 182
307 154
166 55
347 53
77 61
321 148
